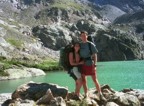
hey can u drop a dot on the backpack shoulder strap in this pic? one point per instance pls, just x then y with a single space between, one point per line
89 44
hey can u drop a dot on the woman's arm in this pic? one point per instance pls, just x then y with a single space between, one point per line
72 61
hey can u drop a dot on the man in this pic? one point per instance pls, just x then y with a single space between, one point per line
88 52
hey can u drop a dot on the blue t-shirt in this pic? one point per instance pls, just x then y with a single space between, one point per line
85 52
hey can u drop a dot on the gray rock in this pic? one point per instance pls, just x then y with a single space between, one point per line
136 92
22 73
2 31
4 97
4 43
58 101
3 52
46 99
112 104
126 99
53 36
35 91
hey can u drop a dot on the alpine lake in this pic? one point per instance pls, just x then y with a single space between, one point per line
117 74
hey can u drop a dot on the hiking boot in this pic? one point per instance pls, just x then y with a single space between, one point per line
76 97
86 95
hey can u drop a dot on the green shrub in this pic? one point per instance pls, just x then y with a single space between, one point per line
64 4
16 43
48 65
2 58
2 68
2 73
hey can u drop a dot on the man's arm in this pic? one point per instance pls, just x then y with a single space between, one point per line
94 57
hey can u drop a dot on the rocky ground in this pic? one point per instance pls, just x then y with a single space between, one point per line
53 95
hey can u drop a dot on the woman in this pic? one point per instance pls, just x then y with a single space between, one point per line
74 59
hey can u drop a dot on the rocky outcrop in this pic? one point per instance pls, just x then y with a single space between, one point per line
21 73
57 35
16 41
50 94
113 44
117 45
53 36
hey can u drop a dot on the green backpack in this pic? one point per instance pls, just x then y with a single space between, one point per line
64 57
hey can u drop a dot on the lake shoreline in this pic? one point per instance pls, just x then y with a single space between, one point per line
129 73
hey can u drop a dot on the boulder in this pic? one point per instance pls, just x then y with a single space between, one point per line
136 92
35 91
111 104
4 97
58 101
47 98
115 98
22 73
126 99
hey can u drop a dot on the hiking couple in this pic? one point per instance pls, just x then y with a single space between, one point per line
88 52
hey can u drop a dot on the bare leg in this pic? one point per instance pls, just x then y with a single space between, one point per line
78 86
95 80
85 87
97 85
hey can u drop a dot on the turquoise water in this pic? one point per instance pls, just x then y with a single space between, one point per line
117 74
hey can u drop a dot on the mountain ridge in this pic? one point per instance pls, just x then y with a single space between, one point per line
127 6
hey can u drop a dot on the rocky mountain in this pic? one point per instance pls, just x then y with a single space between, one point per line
126 6
110 12
42 27
113 9
136 17
133 23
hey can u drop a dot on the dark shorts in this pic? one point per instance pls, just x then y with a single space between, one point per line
75 74
88 70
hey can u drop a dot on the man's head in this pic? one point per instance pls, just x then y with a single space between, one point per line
83 36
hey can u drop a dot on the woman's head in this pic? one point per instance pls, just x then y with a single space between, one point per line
76 47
